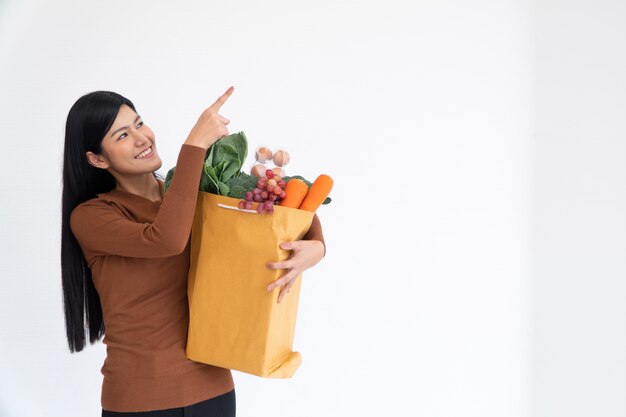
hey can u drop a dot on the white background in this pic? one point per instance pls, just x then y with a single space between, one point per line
579 210
475 241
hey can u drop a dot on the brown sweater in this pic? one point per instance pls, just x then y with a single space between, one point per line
138 254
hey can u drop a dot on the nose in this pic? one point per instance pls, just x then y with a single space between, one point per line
141 139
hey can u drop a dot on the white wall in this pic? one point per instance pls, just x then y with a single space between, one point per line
579 227
421 111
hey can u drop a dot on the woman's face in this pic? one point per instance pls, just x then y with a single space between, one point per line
124 145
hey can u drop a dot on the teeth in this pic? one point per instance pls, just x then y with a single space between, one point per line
144 153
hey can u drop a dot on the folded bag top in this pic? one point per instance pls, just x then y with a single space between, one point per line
234 322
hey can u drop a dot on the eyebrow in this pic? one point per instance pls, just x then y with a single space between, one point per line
125 127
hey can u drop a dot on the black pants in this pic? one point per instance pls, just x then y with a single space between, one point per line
220 406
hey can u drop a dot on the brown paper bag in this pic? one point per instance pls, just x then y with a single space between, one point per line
234 322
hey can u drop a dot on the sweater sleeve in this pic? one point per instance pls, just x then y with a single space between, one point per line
315 232
102 229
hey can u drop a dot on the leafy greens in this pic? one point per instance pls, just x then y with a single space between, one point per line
223 161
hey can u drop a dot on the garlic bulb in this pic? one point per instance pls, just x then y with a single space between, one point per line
281 158
258 170
263 154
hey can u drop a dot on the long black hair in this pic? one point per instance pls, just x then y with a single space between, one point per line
87 123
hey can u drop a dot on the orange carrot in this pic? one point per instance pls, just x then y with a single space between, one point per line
317 193
296 191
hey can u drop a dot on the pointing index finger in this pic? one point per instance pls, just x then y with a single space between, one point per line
215 107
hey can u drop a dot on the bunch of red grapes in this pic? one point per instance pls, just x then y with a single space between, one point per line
269 190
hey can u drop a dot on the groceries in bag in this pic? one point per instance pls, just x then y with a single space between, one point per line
239 224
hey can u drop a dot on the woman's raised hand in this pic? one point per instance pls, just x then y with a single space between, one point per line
211 126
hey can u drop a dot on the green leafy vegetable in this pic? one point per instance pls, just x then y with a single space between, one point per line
168 179
231 168
209 180
224 153
223 161
238 141
240 184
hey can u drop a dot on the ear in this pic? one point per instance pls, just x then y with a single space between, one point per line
96 160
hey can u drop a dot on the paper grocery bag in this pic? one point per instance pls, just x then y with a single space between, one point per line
234 322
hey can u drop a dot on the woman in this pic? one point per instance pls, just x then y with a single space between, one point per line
125 258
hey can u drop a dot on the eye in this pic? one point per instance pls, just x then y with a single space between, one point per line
124 134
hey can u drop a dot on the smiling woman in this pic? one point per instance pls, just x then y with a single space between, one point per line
94 163
125 257
129 154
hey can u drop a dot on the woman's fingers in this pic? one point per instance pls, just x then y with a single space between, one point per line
294 245
305 254
283 280
215 107
285 290
223 119
281 265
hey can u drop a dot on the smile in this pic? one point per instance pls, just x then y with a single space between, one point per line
145 154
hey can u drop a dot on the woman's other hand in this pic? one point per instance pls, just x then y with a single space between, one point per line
306 253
